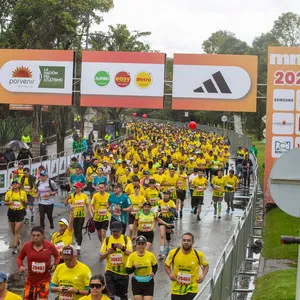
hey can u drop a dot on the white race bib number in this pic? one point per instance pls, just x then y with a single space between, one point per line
200 188
116 259
59 246
171 189
16 205
79 203
65 296
184 278
27 188
38 267
164 209
147 227
102 212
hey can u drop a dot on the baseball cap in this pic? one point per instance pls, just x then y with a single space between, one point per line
116 226
78 185
141 239
69 250
111 155
43 173
191 158
146 172
147 203
3 277
105 161
20 163
167 192
63 221
14 181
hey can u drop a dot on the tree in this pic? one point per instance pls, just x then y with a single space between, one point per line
286 30
52 24
224 42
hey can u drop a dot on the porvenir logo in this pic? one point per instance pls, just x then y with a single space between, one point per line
21 76
143 80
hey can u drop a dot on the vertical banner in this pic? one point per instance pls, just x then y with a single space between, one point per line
3 182
283 107
214 82
122 79
41 77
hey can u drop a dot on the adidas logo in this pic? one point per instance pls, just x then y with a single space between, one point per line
216 85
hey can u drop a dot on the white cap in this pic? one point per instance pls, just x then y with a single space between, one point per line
191 158
65 221
111 155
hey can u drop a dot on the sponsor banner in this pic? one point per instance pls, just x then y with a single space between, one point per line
122 79
41 77
214 82
62 165
26 107
54 168
3 181
283 107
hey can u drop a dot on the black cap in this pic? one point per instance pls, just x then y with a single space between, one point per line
141 239
147 203
167 192
116 226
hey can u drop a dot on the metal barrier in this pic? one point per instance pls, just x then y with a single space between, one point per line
220 285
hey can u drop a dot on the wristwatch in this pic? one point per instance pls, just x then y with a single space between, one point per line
78 292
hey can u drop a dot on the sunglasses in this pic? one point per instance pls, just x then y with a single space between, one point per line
95 285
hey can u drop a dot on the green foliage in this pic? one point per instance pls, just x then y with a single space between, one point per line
119 38
276 285
279 223
286 30
224 42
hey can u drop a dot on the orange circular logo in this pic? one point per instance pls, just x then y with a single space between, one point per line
143 79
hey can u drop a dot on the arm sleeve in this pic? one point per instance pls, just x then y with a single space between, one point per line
130 270
154 268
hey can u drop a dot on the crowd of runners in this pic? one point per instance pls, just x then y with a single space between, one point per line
126 187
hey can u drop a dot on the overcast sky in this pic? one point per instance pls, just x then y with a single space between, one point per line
180 26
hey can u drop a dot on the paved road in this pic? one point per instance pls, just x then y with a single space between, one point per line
211 235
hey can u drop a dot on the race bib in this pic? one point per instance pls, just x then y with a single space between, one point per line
46 196
102 212
217 187
94 175
79 203
65 296
135 210
200 188
147 227
154 209
180 183
164 209
171 189
116 259
59 246
184 278
215 167
16 205
38 267
229 185
27 188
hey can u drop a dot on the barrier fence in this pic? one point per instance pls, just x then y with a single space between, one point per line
220 285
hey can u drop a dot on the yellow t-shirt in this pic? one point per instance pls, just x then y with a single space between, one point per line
62 240
147 261
91 172
219 183
199 185
26 187
170 184
130 189
165 208
12 296
186 270
116 262
79 201
181 182
89 297
80 279
146 222
231 183
16 200
137 202
99 205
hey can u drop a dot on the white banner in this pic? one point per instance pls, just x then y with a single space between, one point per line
62 165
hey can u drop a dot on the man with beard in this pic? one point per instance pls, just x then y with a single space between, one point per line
182 266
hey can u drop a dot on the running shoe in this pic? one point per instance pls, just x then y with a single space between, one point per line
176 216
219 216
195 210
15 251
161 254
32 219
198 218
26 221
232 209
228 210
215 212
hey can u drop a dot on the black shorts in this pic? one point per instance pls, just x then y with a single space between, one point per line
167 220
142 288
149 235
16 215
117 284
197 201
131 219
181 194
101 225
188 296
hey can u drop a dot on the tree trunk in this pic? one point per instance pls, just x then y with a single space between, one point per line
36 125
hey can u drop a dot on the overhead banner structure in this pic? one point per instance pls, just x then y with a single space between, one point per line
122 79
214 82
283 107
41 77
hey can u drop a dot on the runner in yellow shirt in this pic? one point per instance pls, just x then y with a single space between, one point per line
181 189
98 289
231 185
152 194
186 267
218 184
4 293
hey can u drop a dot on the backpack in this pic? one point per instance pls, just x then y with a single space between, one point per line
107 240
49 181
89 227
177 250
